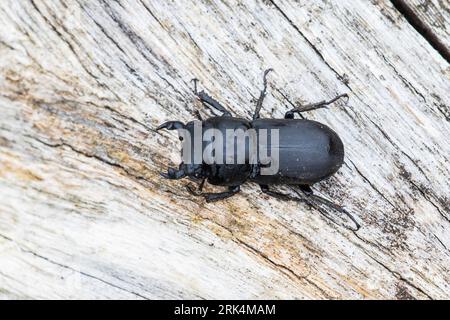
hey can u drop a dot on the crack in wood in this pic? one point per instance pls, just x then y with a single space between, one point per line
426 32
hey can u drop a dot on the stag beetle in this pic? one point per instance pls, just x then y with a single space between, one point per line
308 152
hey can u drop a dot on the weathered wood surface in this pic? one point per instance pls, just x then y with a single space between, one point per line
431 18
85 214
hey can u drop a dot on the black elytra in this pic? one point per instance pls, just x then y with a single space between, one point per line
309 152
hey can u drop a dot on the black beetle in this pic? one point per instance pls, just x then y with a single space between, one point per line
309 152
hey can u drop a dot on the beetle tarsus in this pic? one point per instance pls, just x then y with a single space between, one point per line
262 95
339 209
328 203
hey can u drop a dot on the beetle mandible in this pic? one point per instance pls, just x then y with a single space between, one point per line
308 152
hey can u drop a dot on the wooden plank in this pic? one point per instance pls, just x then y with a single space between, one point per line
84 212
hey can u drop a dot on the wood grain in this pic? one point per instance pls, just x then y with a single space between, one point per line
85 214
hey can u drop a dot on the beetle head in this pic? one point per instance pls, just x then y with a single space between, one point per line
186 135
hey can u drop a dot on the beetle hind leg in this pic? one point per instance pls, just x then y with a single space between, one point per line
265 189
308 192
310 198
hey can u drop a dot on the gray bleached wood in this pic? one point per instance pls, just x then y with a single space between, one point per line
85 214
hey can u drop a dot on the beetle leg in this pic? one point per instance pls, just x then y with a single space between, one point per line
200 187
310 199
282 196
198 115
199 190
306 189
313 106
171 125
262 95
210 197
265 189
318 199
173 174
207 99
195 81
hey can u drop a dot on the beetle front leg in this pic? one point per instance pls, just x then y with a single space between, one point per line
171 125
173 174
207 99
211 197
312 106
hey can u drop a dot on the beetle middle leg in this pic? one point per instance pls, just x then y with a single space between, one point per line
262 95
207 99
199 190
313 106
